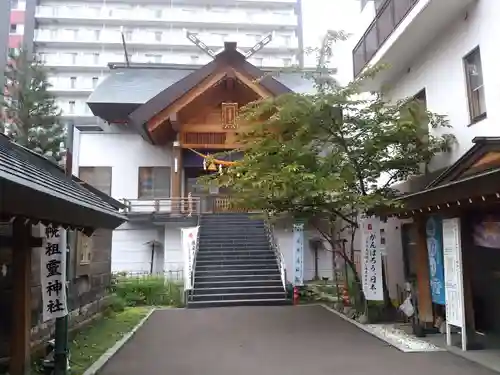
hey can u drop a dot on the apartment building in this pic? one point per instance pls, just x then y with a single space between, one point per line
77 39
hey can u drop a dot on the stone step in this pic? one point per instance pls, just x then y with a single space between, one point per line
233 223
243 232
237 283
238 296
236 267
245 271
248 302
231 239
256 261
204 253
228 242
239 290
211 257
243 277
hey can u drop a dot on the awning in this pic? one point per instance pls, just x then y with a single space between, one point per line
36 189
473 179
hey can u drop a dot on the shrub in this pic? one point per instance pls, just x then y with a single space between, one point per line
149 290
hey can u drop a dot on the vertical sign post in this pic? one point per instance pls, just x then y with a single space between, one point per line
372 260
453 279
189 237
298 254
53 274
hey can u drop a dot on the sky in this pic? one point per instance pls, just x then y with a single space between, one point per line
322 15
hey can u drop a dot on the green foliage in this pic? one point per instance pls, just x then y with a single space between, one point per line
148 291
116 304
28 112
89 343
331 154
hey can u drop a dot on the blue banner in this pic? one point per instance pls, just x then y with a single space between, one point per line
434 232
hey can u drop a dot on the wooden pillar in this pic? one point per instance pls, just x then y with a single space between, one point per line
176 193
21 316
423 277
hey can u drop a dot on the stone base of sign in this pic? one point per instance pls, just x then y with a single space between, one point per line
97 365
392 335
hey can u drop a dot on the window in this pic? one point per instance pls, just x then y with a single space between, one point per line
288 40
13 28
154 182
73 57
128 35
71 106
14 4
97 34
98 177
158 35
72 81
95 81
195 59
158 13
84 248
475 86
96 59
259 61
287 62
153 58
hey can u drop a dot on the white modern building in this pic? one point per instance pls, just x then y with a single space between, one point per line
443 52
77 39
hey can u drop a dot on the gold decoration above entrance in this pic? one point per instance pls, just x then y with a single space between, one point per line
228 115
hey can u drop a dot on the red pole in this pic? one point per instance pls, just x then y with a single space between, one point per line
295 295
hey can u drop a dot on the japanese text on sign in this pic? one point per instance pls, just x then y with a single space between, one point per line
53 274
372 261
298 254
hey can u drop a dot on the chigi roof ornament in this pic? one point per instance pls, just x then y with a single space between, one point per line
193 37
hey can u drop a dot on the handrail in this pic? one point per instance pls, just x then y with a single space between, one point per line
176 205
276 249
193 259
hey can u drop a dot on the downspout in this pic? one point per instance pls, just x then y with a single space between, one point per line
300 32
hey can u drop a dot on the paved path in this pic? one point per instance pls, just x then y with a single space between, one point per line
283 340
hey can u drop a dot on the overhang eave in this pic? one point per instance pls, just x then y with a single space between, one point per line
461 193
19 200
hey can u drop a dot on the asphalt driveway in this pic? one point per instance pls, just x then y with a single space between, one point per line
282 340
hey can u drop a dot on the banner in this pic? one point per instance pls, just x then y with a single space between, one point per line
434 232
298 254
452 254
453 276
53 273
372 260
486 232
189 238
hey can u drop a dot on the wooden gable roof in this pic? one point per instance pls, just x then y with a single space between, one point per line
483 156
229 64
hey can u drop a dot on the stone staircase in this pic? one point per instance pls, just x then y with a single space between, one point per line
235 264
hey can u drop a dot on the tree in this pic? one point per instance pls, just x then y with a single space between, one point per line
330 156
28 112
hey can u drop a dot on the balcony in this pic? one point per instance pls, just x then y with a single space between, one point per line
175 209
144 17
401 30
167 41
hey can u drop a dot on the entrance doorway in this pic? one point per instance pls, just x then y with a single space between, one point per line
211 199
